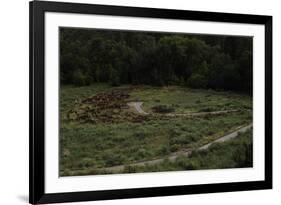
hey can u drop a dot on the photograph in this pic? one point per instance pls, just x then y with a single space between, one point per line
133 101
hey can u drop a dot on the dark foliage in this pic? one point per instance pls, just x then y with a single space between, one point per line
122 57
163 109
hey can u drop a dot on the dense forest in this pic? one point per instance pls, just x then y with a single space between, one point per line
127 57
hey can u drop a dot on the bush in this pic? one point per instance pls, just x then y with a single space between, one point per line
114 76
80 79
197 81
115 81
129 169
186 163
112 159
163 150
175 147
181 139
142 153
140 135
207 109
163 109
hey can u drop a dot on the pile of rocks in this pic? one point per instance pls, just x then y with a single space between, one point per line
104 107
115 99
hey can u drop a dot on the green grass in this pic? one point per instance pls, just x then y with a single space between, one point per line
70 95
189 100
235 153
85 147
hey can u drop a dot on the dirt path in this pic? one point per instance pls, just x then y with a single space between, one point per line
200 113
173 156
227 137
137 107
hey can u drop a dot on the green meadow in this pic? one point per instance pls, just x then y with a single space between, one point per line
98 129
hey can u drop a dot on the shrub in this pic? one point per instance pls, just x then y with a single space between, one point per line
164 149
140 135
181 139
163 109
112 159
80 78
175 147
197 81
129 169
142 153
207 109
115 80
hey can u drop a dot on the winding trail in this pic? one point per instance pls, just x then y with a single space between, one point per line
193 114
173 156
137 107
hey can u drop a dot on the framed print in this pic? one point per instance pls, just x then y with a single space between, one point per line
140 102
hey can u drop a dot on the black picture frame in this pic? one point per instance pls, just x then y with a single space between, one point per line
37 193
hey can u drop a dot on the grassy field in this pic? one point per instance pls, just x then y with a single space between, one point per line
189 100
94 137
236 153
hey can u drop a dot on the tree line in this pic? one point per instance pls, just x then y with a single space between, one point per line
126 57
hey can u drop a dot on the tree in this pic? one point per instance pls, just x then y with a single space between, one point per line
123 57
